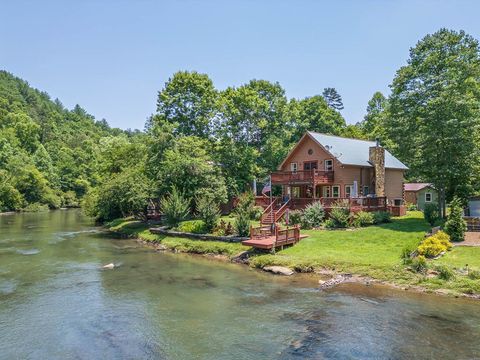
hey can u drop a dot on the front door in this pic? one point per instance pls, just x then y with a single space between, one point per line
326 191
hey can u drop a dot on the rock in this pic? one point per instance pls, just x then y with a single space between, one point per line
280 270
332 282
241 257
108 266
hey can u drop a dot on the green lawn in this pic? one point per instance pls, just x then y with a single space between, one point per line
373 251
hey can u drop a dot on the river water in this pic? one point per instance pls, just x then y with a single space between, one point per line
58 303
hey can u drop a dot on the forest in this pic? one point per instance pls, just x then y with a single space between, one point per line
203 141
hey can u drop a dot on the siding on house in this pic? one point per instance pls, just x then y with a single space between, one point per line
421 197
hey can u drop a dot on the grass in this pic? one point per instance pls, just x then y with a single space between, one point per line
374 251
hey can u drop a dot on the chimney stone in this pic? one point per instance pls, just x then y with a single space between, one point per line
377 158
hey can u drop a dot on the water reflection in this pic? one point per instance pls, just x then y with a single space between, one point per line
60 303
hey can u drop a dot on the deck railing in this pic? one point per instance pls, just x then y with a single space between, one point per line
355 204
302 176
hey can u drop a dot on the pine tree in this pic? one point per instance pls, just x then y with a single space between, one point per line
333 98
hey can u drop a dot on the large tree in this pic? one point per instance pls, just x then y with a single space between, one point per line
434 112
373 124
188 100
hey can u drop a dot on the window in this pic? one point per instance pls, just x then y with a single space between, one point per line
293 167
309 165
310 151
348 190
295 192
329 165
428 197
335 191
366 191
326 191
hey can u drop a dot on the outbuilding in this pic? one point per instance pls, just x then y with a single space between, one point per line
420 194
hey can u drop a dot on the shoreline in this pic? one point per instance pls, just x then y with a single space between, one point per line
325 278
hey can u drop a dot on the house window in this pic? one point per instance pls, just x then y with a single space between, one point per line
329 165
295 192
310 165
366 191
348 190
310 151
293 167
335 191
428 197
326 191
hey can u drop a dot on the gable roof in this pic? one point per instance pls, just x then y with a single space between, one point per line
353 151
416 186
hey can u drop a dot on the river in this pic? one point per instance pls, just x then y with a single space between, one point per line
58 303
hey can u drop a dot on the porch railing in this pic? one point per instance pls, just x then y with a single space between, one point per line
302 176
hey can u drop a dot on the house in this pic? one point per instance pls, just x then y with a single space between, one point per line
473 208
420 194
327 168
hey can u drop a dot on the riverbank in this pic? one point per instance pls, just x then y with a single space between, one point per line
370 254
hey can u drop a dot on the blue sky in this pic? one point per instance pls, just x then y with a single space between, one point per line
112 57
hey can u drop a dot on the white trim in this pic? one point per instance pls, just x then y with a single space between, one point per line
294 165
326 191
431 197
350 192
325 165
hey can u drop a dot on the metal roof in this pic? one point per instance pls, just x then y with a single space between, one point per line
416 186
354 151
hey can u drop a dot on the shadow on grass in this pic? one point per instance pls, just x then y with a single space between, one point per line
407 224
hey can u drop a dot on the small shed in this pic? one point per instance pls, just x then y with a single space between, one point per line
473 208
420 194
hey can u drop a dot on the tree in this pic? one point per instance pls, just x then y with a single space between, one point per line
434 112
175 206
208 211
333 98
188 101
455 226
373 124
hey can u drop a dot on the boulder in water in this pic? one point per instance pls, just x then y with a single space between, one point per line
108 266
280 270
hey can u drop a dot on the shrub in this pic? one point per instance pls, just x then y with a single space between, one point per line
445 273
339 215
242 224
243 212
70 199
406 255
411 207
363 218
10 198
35 207
329 224
380 217
256 213
208 211
175 207
455 226
431 213
474 274
192 226
223 229
419 264
434 245
295 217
313 215
245 203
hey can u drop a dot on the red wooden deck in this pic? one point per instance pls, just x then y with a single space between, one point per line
266 242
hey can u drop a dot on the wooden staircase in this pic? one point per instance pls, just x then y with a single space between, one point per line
274 212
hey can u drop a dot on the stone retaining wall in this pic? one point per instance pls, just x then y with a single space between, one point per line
167 232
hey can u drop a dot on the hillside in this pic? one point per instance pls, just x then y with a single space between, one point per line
48 154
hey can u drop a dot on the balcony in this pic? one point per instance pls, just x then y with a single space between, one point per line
299 177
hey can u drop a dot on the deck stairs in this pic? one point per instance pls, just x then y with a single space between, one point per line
274 212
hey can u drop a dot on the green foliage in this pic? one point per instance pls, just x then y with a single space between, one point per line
295 217
10 197
474 274
223 229
363 218
406 254
455 226
339 216
243 212
257 212
445 273
380 217
419 264
333 98
434 245
175 206
313 215
208 211
192 226
411 207
431 213
35 207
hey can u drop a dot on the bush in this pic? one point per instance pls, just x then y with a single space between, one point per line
406 255
175 207
295 217
257 212
223 229
380 217
245 203
362 219
35 207
208 211
474 274
411 207
419 264
192 226
243 212
70 199
10 198
434 245
444 272
313 215
339 216
431 213
455 226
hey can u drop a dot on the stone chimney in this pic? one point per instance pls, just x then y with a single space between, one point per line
377 159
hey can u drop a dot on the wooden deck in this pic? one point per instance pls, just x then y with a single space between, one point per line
266 243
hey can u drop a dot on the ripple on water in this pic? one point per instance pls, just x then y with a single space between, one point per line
61 236
7 287
28 251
